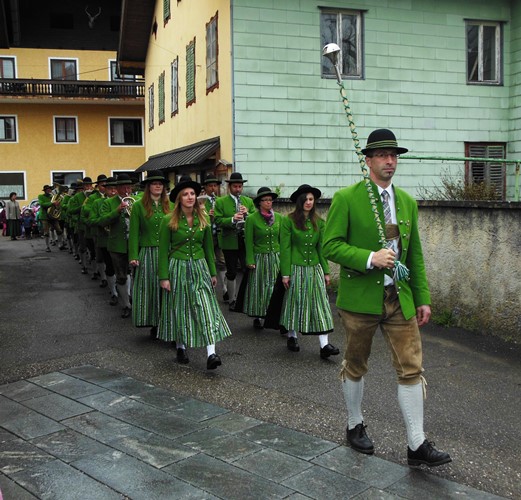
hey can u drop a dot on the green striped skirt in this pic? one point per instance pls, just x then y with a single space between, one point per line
145 289
261 281
190 313
306 306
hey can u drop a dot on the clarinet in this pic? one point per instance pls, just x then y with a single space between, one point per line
239 225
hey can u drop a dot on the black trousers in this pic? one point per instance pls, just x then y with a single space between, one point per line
235 260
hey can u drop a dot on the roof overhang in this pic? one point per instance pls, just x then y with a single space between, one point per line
191 155
136 24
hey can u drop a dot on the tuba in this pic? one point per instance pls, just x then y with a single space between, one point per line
130 202
54 212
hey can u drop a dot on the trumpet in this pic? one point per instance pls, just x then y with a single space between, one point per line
130 202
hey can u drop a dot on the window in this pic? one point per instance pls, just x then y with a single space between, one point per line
190 73
166 11
161 97
212 77
488 172
114 77
151 107
12 182
7 67
64 69
66 178
484 48
65 129
126 131
8 131
174 83
345 29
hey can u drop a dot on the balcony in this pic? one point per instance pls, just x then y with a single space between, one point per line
75 89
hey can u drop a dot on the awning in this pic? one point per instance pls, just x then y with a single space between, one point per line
182 157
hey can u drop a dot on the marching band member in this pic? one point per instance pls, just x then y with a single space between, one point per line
74 208
46 201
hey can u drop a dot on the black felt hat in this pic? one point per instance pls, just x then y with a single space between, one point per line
304 189
185 182
382 138
46 187
101 178
264 191
111 181
236 177
212 179
155 175
122 179
87 180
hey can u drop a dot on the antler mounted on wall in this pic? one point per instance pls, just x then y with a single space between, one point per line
92 18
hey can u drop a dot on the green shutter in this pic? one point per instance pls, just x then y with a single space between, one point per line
161 97
190 73
166 10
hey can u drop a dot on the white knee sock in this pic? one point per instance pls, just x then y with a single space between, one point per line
180 345
123 294
324 339
222 279
410 398
292 333
353 394
231 289
112 285
210 349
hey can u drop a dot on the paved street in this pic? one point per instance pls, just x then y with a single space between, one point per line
89 401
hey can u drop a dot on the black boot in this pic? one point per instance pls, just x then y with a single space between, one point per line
426 454
359 440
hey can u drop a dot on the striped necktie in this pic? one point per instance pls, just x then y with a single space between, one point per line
387 208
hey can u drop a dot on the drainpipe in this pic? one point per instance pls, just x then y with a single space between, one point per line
516 190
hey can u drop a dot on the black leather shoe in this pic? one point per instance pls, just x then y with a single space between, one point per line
113 300
126 312
359 440
226 297
293 344
47 249
103 284
232 306
153 333
84 270
213 362
94 277
328 350
283 330
426 454
257 324
62 247
182 358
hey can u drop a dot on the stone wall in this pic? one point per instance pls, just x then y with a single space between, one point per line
473 258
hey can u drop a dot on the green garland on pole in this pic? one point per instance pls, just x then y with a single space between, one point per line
400 270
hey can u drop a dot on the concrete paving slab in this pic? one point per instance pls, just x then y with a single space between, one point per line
127 386
199 411
288 441
225 480
160 398
219 444
17 455
136 479
54 481
56 406
376 494
232 422
22 390
69 445
92 374
10 489
66 385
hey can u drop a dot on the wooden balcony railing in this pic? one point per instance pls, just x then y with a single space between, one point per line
71 88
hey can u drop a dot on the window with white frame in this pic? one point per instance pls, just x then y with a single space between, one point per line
66 177
64 69
151 107
65 129
7 67
8 132
212 51
174 86
489 172
484 52
126 131
343 27
115 77
12 182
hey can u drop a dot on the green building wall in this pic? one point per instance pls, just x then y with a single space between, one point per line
290 126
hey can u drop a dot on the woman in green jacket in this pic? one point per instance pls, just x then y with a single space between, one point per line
305 273
190 314
261 237
143 249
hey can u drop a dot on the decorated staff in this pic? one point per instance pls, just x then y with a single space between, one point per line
374 292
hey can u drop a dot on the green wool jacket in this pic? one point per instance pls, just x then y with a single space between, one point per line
45 202
65 208
261 238
184 244
351 235
85 213
144 231
117 222
74 209
225 209
100 232
301 248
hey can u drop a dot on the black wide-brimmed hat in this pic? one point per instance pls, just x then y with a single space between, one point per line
304 189
155 175
111 181
123 179
236 177
382 138
46 187
264 191
86 180
185 182
74 185
101 178
212 179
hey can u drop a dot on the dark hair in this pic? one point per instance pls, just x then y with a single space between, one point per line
11 195
298 217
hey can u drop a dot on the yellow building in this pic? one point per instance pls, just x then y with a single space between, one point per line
187 55
64 113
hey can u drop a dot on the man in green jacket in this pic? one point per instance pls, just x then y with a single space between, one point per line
46 201
371 296
230 213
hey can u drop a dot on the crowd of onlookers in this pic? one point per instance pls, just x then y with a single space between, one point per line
25 225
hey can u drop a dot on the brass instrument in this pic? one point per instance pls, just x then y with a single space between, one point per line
129 201
54 211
